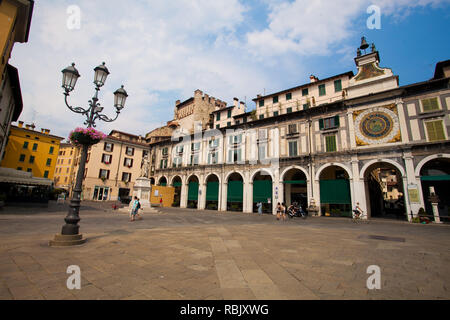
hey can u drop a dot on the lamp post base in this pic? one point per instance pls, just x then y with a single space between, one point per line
62 240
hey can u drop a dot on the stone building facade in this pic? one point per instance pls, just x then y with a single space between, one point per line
112 166
321 144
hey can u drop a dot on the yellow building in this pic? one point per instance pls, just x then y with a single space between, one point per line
15 21
65 164
32 151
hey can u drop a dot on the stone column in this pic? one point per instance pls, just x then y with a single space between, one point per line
223 196
248 197
434 199
358 187
183 197
413 182
201 196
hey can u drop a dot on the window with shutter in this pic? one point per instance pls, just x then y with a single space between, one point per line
292 128
275 99
431 104
305 92
229 113
275 113
330 142
288 96
293 148
218 116
261 103
435 130
289 110
322 90
337 85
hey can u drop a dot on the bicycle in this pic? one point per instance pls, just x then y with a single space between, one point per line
359 217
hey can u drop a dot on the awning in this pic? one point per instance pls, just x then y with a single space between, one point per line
8 175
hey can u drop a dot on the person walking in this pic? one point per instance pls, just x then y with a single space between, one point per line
259 206
283 211
278 211
135 209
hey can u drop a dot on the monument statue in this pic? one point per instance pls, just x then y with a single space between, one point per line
145 166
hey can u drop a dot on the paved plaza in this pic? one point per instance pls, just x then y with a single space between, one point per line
188 254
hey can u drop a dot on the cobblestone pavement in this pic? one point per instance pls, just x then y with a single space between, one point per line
189 254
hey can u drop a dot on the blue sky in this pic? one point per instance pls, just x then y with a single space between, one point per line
162 51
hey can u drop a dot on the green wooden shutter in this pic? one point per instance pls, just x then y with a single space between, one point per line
435 130
218 116
212 191
430 104
322 90
336 121
321 124
337 85
330 142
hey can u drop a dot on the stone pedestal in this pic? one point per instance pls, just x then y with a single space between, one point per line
142 189
62 240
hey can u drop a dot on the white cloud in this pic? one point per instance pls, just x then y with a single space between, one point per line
311 27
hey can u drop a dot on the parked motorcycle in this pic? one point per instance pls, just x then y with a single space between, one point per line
296 211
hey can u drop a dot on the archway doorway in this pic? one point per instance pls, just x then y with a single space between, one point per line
384 191
212 192
436 174
177 184
162 182
193 192
335 197
235 192
295 188
262 192
152 181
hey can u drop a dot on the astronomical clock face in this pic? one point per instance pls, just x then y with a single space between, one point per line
377 126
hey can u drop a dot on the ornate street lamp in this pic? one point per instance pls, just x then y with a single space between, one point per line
70 231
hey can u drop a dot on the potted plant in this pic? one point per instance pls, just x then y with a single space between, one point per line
86 136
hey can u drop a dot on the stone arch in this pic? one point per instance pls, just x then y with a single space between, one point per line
294 167
235 171
371 162
212 174
425 160
173 178
163 176
349 172
252 176
190 176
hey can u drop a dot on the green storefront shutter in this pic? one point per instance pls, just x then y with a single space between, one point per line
262 190
235 191
212 191
193 191
335 191
444 177
177 184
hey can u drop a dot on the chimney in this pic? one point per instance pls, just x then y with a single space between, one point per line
32 126
313 78
242 105
177 102
42 130
27 126
236 102
258 96
20 124
198 92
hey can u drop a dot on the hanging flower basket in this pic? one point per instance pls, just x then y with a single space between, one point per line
86 136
